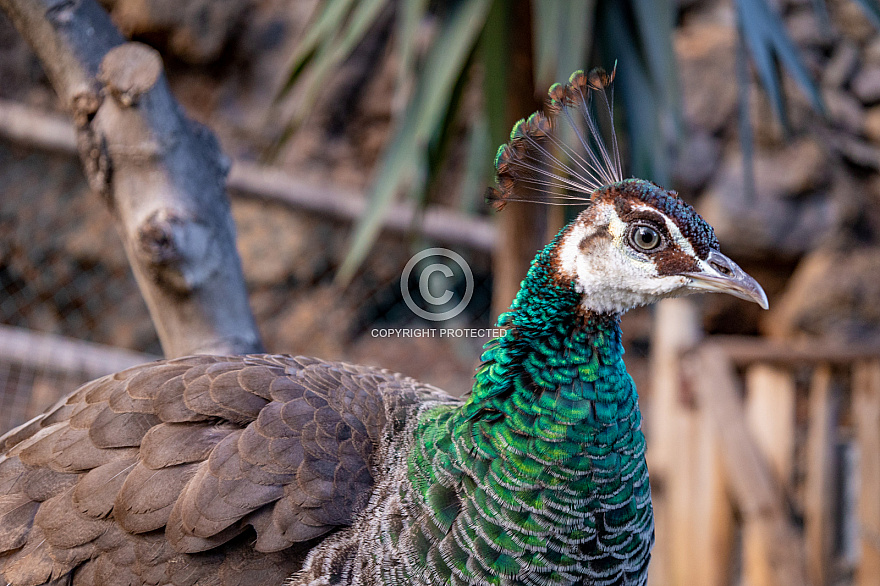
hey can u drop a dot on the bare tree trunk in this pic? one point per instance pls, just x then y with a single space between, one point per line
521 227
162 175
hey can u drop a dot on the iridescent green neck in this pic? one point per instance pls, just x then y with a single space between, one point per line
545 459
549 339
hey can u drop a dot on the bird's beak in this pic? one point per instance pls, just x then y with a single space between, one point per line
721 275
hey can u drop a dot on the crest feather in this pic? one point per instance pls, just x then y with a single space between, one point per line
560 158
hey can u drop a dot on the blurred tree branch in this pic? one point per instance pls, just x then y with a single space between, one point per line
162 175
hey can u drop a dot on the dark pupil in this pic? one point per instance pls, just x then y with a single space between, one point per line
646 238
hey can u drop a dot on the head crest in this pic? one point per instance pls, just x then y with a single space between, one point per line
560 158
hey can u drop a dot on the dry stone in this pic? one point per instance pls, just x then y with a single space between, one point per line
850 18
833 294
845 111
840 68
872 124
697 161
197 30
806 29
866 85
871 52
706 61
789 214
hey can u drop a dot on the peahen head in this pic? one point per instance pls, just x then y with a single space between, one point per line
636 243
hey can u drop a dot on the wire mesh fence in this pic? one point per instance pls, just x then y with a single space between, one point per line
36 369
68 301
62 282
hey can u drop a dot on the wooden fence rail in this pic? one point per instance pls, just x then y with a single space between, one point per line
746 449
37 369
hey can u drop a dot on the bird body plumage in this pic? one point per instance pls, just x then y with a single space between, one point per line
289 470
538 478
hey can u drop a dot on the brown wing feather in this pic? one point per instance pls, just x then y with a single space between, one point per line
193 470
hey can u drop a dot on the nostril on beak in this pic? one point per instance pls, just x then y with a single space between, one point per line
724 270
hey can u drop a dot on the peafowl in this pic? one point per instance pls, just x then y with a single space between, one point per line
272 470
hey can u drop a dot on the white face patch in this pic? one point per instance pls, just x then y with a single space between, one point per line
611 276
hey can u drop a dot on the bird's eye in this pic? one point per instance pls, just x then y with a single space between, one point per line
644 238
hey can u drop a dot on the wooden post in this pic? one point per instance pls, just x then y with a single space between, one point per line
712 523
675 328
696 527
694 519
773 553
866 415
770 404
821 467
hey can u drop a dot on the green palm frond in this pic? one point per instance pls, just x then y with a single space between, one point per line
470 31
635 33
562 30
872 10
404 161
639 36
336 32
769 44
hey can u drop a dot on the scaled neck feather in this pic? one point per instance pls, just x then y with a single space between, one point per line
540 477
548 330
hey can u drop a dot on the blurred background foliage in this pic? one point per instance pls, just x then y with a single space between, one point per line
442 47
378 105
